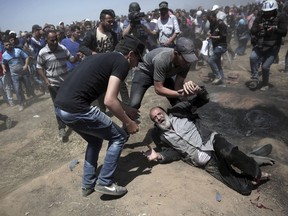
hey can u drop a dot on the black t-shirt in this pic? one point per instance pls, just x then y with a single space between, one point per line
89 80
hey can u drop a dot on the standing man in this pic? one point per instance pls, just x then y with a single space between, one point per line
136 24
51 65
218 36
100 40
16 61
72 44
94 76
158 68
267 31
167 26
37 42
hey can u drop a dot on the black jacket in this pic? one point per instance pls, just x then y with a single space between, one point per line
89 43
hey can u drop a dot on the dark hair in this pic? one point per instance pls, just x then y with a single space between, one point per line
49 31
73 28
105 12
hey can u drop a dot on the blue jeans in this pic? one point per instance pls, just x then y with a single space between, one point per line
242 45
94 126
214 61
16 80
6 88
266 59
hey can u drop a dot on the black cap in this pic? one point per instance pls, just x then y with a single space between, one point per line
131 43
163 5
36 27
185 47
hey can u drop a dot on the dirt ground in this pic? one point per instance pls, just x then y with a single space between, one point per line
36 178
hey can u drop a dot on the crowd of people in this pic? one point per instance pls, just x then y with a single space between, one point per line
89 61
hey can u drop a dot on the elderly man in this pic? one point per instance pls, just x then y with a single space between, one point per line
180 134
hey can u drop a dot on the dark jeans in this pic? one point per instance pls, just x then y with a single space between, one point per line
140 84
225 155
53 92
267 58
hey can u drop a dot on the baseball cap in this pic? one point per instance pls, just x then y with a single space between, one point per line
215 7
36 27
131 43
185 46
163 5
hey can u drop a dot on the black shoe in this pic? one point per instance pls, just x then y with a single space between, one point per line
63 135
253 84
87 191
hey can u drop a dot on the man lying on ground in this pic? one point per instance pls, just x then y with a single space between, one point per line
180 134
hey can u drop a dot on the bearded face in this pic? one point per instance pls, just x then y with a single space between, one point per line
160 118
165 124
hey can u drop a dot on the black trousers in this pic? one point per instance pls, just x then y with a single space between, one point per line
233 167
53 92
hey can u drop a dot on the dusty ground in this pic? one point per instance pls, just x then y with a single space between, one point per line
36 179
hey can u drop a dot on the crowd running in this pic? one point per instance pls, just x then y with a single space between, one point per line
155 48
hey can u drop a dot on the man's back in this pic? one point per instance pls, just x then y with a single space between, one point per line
89 80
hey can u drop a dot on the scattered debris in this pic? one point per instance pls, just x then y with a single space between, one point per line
218 197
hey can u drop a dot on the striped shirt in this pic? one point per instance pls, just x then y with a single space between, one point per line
54 63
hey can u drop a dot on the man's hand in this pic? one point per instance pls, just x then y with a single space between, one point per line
131 128
191 88
151 155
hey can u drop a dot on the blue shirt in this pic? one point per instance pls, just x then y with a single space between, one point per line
73 48
15 59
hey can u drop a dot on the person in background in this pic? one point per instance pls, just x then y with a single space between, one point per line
266 35
16 61
6 85
100 40
217 35
136 24
51 65
72 44
242 36
167 27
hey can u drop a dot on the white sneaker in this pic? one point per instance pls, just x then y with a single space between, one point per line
264 88
21 108
217 81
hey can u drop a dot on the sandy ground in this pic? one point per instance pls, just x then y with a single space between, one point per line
36 179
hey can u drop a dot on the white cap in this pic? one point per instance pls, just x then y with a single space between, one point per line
198 13
61 22
215 7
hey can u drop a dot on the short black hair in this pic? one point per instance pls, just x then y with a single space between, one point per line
73 28
105 12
